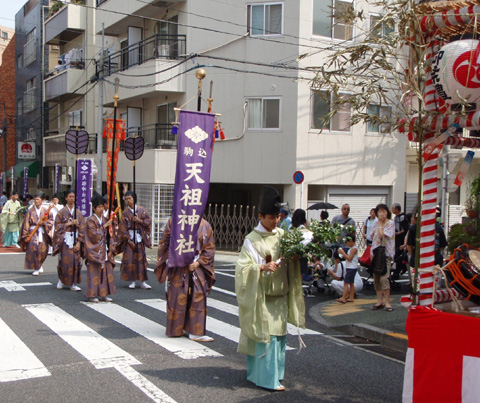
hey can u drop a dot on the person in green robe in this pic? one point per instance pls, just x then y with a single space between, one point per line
10 221
269 294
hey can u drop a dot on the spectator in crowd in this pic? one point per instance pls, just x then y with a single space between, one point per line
367 228
3 199
324 216
338 273
383 235
351 266
440 243
344 219
401 228
285 220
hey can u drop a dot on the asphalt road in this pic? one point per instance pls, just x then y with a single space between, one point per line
55 347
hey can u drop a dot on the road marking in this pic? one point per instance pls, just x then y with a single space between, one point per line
17 360
224 274
216 326
336 309
102 353
144 385
10 285
180 346
224 291
233 310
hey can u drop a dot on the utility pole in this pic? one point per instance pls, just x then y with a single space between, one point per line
100 117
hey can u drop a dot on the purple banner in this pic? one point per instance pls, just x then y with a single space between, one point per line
192 183
25 182
84 187
57 178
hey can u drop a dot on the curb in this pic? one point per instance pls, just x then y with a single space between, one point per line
392 340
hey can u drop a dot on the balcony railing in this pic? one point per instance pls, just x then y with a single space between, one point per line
154 47
158 135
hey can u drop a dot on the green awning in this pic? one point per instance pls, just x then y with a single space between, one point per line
33 169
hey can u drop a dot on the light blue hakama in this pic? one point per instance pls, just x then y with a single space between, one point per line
10 238
267 367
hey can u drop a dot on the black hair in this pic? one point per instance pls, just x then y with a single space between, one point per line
383 207
133 194
67 192
337 256
324 215
40 195
299 218
351 237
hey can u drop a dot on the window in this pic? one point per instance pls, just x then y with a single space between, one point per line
19 61
324 24
383 113
322 102
265 19
29 49
4 35
19 106
381 29
75 118
263 113
29 103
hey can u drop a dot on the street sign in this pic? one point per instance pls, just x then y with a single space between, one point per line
298 177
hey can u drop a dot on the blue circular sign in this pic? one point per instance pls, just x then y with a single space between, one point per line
298 177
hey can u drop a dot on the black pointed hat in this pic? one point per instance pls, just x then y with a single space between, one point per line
97 199
270 201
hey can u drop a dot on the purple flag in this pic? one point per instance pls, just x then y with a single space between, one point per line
25 182
192 182
57 178
84 187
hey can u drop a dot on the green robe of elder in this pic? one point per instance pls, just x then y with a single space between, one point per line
266 301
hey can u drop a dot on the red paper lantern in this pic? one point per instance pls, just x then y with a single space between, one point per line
456 71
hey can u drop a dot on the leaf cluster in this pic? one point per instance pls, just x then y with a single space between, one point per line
324 235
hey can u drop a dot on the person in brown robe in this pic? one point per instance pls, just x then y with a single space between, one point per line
100 263
36 250
67 242
133 236
187 312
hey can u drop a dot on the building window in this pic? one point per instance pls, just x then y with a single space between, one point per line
75 118
19 106
265 19
379 28
4 35
384 113
29 49
29 102
19 61
263 113
336 26
322 106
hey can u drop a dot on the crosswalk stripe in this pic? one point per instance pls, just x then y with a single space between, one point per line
180 346
233 310
17 360
102 353
224 291
213 325
223 329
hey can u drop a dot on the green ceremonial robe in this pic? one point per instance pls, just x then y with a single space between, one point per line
266 302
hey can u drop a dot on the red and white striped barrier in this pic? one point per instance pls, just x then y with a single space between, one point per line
451 18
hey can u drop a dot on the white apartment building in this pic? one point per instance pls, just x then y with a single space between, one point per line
269 112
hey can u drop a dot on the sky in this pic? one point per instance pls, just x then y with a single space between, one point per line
8 10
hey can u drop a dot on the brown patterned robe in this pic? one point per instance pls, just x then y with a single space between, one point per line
69 262
184 313
35 252
100 282
134 261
